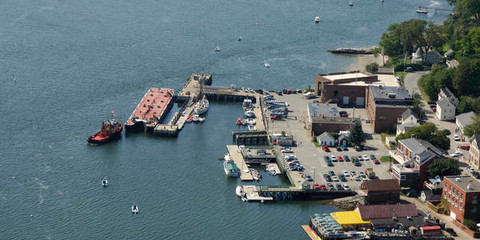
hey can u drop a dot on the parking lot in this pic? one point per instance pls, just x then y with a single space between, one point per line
312 157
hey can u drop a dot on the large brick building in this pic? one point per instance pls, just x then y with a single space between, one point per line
462 195
324 118
413 156
385 105
381 191
348 88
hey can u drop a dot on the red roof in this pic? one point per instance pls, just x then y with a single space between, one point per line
152 105
434 227
368 212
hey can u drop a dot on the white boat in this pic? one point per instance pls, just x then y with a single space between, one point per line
317 19
231 168
239 38
247 104
217 49
250 121
309 95
267 65
201 119
134 208
350 3
105 182
201 106
249 114
196 118
424 11
239 191
251 127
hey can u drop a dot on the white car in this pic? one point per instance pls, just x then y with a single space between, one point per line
290 157
286 150
346 187
346 173
365 158
333 157
335 178
456 154
456 137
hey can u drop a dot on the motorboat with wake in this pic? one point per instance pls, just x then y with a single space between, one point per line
135 208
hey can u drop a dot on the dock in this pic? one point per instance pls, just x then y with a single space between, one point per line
237 158
310 233
252 194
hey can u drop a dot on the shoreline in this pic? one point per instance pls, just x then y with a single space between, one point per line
363 60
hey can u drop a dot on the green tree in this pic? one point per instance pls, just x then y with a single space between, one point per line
372 67
417 104
471 42
429 133
468 11
443 167
356 134
473 128
470 224
466 80
390 42
439 78
465 104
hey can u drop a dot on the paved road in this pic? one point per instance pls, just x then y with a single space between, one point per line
443 218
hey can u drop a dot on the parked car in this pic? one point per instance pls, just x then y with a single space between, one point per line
344 148
289 91
339 186
331 173
339 149
360 158
340 159
343 114
326 149
376 161
456 137
335 178
358 148
357 163
346 158
451 231
316 186
342 178
466 147
330 186
327 177
372 157
286 150
334 158
365 158
456 154
353 172
323 187
330 164
290 157
280 93
309 178
446 131
346 187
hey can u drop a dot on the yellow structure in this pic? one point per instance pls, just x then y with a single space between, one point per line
350 220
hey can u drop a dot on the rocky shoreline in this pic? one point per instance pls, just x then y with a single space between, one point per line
366 50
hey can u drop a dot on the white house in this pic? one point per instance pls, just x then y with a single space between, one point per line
446 105
464 119
404 127
407 121
325 139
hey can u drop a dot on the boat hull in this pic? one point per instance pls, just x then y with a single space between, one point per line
113 137
232 174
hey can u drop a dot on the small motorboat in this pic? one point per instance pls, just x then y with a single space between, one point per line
105 182
267 65
217 49
134 208
239 38
423 11
189 119
249 114
250 121
317 19
239 121
196 118
350 3
201 119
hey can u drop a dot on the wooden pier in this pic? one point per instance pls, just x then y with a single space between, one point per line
252 194
310 233
237 158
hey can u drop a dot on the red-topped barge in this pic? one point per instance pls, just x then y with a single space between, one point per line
151 110
111 130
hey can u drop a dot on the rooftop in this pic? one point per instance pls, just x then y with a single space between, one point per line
368 212
406 222
421 147
390 93
342 76
381 185
348 218
466 119
476 137
464 182
408 113
407 125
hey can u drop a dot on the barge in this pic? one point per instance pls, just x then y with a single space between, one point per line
151 110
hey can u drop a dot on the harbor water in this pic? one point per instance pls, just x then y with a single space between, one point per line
64 65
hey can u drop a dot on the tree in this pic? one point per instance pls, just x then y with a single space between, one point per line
439 78
466 80
429 133
471 42
468 11
470 224
390 42
443 167
356 134
473 128
417 104
372 67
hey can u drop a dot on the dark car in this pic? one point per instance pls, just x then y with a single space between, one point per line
345 148
357 163
342 178
309 178
446 131
280 93
343 114
327 178
331 173
339 186
451 231
339 149
330 164
372 157
330 186
346 158
358 148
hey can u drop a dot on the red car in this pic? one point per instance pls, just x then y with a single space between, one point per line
316 186
340 159
323 187
289 91
466 147
376 161
326 148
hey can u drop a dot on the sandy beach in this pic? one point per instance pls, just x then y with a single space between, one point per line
364 60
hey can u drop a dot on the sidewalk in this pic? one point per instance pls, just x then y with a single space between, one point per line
443 218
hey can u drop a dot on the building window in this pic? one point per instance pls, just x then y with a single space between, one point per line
403 177
474 209
474 200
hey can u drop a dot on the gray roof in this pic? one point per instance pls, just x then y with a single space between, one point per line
423 147
476 137
465 119
324 134
407 114
447 92
323 109
407 125
381 92
464 182
417 221
443 102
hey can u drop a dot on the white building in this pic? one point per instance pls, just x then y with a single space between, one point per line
464 119
325 139
446 105
407 121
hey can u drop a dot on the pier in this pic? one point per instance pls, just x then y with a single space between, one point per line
237 158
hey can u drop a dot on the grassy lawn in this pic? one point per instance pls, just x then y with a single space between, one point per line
385 159
317 144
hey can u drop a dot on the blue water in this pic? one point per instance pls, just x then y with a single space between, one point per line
74 61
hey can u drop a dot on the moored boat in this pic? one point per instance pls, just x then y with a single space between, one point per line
111 130
239 191
249 114
247 104
105 182
217 49
317 19
135 208
230 167
423 11
350 3
201 106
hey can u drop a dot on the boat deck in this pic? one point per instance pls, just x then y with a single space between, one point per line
311 234
152 107
251 194
240 162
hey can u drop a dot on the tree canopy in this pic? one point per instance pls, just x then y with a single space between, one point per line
429 133
356 134
473 128
443 167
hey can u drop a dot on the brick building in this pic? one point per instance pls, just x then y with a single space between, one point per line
413 156
462 195
381 191
348 88
385 105
324 118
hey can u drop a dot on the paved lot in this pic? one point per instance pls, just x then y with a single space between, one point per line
312 157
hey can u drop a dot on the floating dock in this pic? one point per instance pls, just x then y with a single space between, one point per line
151 110
251 194
311 234
237 158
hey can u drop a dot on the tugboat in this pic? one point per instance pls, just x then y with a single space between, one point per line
111 130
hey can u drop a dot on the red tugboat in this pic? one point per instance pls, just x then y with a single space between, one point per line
111 130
